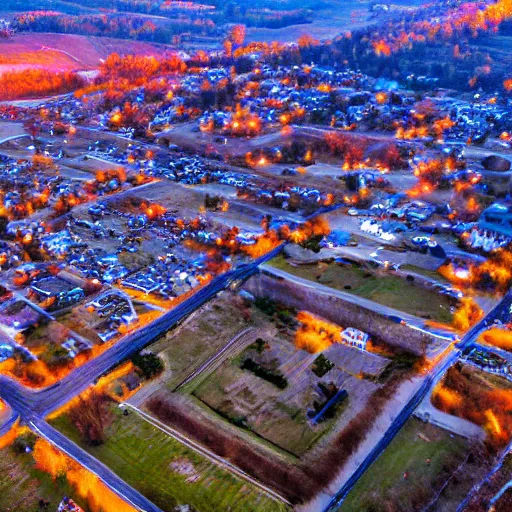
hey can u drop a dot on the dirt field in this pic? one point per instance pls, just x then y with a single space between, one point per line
278 416
275 413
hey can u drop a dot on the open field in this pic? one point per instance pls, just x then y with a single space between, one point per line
413 469
273 409
335 17
22 485
388 290
65 51
185 348
166 471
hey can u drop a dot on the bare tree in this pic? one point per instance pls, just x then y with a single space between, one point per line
91 417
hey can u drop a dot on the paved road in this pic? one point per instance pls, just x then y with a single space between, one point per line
33 406
410 320
501 311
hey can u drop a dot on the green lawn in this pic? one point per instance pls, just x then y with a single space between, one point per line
387 290
22 485
431 274
167 472
383 487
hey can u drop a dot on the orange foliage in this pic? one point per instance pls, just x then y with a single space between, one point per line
137 69
154 211
463 393
319 226
98 496
307 40
498 338
315 334
37 82
244 122
381 47
467 315
9 437
264 243
493 275
37 374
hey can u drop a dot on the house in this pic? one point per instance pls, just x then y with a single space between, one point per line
354 338
68 505
497 219
6 351
56 292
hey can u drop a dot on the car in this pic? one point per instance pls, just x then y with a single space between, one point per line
420 241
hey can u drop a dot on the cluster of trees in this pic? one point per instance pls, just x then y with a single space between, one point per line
260 371
137 69
411 45
91 416
29 83
132 26
149 365
132 87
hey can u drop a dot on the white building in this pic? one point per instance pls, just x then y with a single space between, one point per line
354 338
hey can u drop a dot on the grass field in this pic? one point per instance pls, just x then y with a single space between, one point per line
184 349
431 274
167 472
22 485
383 487
282 423
387 290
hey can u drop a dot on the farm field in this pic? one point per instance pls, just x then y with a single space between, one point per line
166 471
65 51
